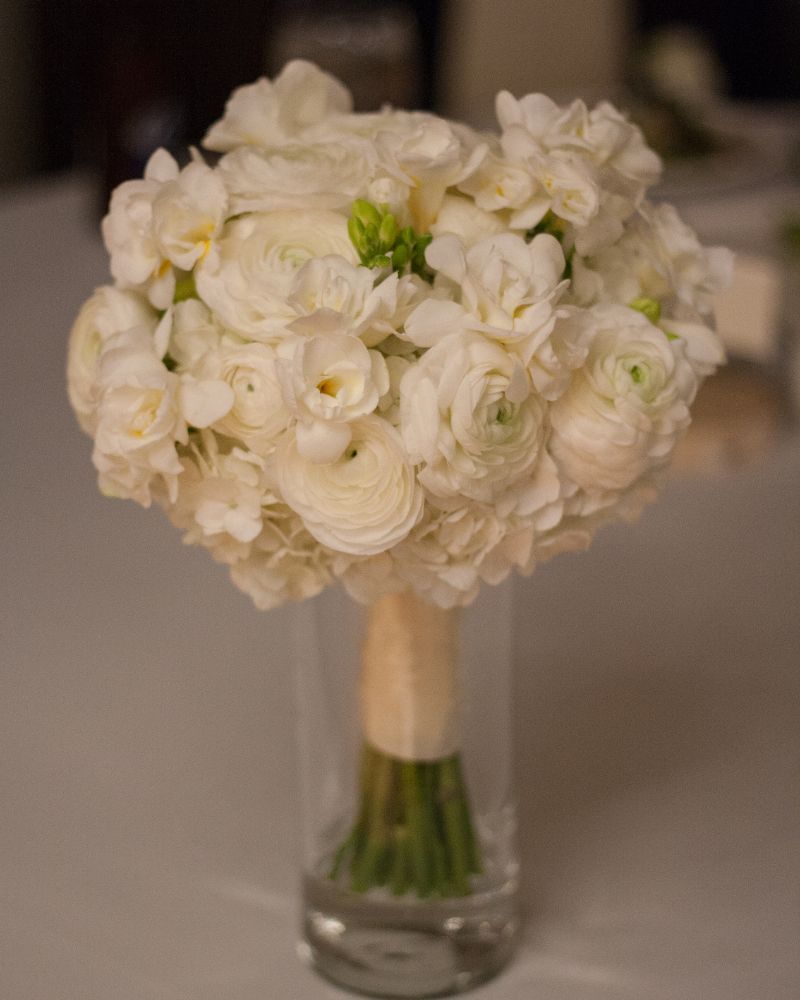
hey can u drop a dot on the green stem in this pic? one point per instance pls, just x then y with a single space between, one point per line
415 817
414 831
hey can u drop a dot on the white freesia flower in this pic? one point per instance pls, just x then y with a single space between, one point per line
190 331
361 504
659 257
330 292
136 258
497 185
469 416
267 113
507 290
108 312
188 213
625 410
139 419
331 380
247 276
432 155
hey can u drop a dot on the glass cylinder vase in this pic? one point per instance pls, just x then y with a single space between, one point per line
408 846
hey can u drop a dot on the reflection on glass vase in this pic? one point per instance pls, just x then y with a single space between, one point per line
409 857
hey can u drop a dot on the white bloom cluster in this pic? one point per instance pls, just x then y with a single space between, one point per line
387 350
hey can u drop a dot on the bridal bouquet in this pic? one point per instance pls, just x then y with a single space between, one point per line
389 350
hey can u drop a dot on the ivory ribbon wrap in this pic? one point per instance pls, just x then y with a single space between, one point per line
409 692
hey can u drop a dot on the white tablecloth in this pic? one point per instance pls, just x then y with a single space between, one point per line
146 748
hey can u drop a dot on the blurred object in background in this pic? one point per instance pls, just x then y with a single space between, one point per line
18 128
383 53
567 50
738 418
716 90
756 43
119 78
675 82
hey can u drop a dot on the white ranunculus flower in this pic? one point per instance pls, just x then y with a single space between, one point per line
361 504
136 258
330 381
139 419
108 312
188 213
299 176
258 415
248 275
269 113
467 413
625 409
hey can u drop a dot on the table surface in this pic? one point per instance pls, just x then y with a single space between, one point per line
146 750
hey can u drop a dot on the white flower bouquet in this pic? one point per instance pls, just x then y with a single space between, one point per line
387 350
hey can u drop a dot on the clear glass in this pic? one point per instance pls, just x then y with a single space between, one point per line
425 906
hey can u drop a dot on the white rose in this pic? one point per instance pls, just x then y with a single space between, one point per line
108 312
188 213
626 408
136 259
268 113
362 504
308 176
247 276
258 414
468 414
331 380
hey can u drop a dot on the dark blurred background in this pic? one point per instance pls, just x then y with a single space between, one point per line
101 83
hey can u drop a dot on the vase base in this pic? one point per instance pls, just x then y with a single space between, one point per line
382 946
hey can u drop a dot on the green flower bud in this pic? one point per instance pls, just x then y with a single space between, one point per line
651 308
